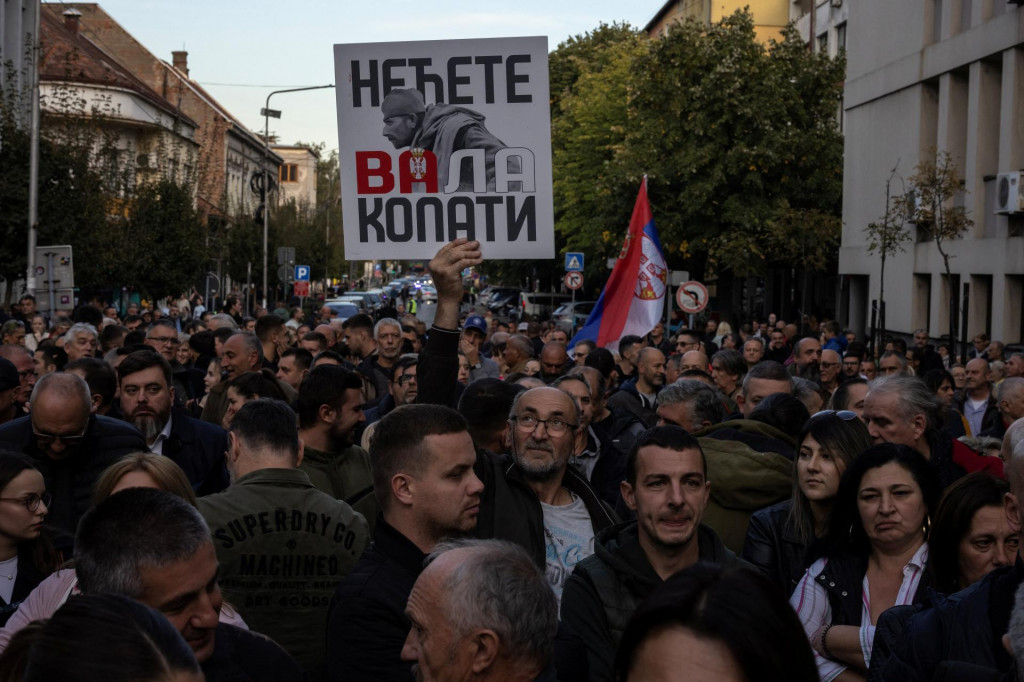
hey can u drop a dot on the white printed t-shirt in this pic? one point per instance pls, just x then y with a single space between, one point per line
568 539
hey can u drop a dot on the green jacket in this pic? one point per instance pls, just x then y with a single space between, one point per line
344 476
283 547
748 471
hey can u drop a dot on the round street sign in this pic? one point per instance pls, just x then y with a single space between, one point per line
692 297
573 280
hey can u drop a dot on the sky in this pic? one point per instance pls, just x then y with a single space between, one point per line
242 51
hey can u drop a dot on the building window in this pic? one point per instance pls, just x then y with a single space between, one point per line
288 172
823 43
841 37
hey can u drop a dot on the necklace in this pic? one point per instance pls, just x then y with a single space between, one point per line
13 565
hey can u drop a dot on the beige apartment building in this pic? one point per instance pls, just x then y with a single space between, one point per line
927 75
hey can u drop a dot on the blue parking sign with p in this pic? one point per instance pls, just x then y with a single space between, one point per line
574 262
301 273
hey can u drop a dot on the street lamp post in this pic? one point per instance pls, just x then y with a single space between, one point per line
267 113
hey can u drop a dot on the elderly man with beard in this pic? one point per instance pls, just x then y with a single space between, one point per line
147 402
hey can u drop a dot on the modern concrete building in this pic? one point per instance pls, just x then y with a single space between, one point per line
825 27
928 76
770 16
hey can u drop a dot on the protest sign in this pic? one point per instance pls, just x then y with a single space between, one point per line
445 139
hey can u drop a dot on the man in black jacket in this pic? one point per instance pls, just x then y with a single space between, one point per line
70 446
147 399
666 486
423 477
531 497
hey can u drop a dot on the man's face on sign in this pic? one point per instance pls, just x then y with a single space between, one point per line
400 129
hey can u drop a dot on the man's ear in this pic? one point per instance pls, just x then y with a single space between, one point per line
487 645
403 487
97 400
232 454
324 413
628 496
1012 507
301 454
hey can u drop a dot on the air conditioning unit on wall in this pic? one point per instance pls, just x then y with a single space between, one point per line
1009 197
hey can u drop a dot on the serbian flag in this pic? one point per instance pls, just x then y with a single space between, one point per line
633 300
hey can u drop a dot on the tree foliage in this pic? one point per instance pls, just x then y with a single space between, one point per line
938 184
739 141
143 236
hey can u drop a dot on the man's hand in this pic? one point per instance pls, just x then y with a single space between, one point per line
446 270
471 351
447 265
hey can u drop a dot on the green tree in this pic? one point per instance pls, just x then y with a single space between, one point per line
741 146
937 183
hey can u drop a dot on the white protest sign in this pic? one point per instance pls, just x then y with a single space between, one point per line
445 139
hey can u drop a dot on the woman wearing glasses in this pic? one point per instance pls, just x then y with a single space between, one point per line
781 538
26 557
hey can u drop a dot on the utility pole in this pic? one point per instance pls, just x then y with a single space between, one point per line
33 161
267 113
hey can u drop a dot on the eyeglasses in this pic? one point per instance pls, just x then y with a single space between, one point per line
45 439
828 364
554 426
27 373
845 415
31 501
405 379
172 340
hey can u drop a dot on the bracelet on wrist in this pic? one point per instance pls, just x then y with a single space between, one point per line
824 642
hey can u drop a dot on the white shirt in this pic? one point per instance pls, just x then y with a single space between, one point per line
157 447
810 600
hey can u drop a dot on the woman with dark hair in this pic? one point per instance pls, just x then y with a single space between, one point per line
940 382
101 637
971 535
727 625
26 556
876 556
783 540
250 386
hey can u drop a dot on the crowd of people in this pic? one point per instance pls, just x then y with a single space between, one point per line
187 494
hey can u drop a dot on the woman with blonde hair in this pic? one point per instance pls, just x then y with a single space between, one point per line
137 470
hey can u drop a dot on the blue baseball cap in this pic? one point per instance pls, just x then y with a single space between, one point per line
475 322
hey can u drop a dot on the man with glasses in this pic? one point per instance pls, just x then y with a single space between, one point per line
531 497
162 336
70 446
687 340
539 501
402 389
830 365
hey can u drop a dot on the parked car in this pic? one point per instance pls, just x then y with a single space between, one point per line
540 303
504 302
343 308
573 313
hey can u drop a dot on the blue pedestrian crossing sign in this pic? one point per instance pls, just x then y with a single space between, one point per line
574 262
301 273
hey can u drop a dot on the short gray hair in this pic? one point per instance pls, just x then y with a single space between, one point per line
902 359
223 320
704 401
80 328
914 398
498 587
385 322
135 529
